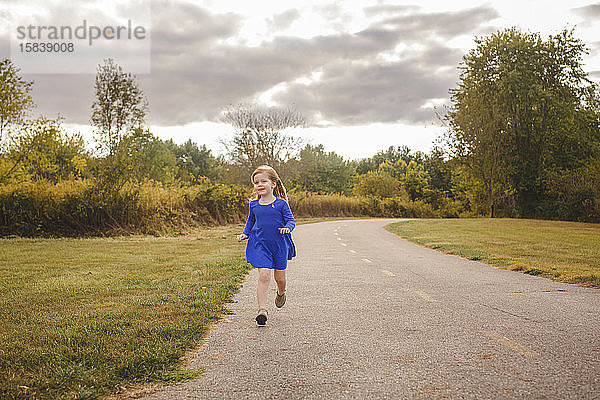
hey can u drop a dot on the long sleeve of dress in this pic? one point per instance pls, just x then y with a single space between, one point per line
288 217
249 222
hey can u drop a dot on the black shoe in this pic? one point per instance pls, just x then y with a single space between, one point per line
261 318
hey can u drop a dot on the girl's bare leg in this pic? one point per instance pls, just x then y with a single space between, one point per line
280 279
264 277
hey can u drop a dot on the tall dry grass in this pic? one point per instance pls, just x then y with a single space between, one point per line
74 208
80 208
306 204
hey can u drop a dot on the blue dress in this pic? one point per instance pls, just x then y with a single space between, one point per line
267 247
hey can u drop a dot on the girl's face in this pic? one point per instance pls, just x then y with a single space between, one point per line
263 184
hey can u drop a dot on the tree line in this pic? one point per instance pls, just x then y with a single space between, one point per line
523 140
524 126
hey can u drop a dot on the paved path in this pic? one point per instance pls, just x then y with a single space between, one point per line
370 315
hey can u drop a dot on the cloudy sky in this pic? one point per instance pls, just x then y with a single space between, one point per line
365 74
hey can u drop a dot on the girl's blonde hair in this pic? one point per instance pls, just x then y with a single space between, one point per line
279 190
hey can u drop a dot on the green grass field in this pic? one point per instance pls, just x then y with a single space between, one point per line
82 318
564 251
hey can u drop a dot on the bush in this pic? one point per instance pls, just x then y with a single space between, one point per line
305 204
377 183
74 208
574 195
81 208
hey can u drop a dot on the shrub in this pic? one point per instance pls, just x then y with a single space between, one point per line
79 207
82 208
306 204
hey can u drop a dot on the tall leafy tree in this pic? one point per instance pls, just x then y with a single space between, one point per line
412 176
15 100
120 105
377 184
316 170
40 148
194 162
439 170
391 155
518 113
137 156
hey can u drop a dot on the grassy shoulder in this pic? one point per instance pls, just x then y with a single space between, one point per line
564 251
83 318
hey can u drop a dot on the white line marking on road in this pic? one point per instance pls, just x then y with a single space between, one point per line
385 271
524 351
426 296
367 260
344 244
352 251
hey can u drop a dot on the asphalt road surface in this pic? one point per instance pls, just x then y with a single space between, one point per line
370 315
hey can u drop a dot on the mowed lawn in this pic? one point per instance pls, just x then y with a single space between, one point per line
564 251
82 318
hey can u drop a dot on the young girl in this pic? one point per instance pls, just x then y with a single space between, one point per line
268 230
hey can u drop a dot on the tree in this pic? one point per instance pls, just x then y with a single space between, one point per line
120 105
517 113
412 176
259 137
378 184
578 193
149 157
392 154
137 156
15 99
194 162
319 171
480 141
439 170
41 149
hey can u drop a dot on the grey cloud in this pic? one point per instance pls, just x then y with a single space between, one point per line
70 95
4 46
335 14
355 94
436 55
5 18
66 13
195 73
388 9
283 20
589 11
178 27
443 24
594 48
220 75
181 33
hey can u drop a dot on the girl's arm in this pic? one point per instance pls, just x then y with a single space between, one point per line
288 218
249 222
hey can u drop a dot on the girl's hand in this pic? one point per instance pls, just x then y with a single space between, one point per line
241 237
284 230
